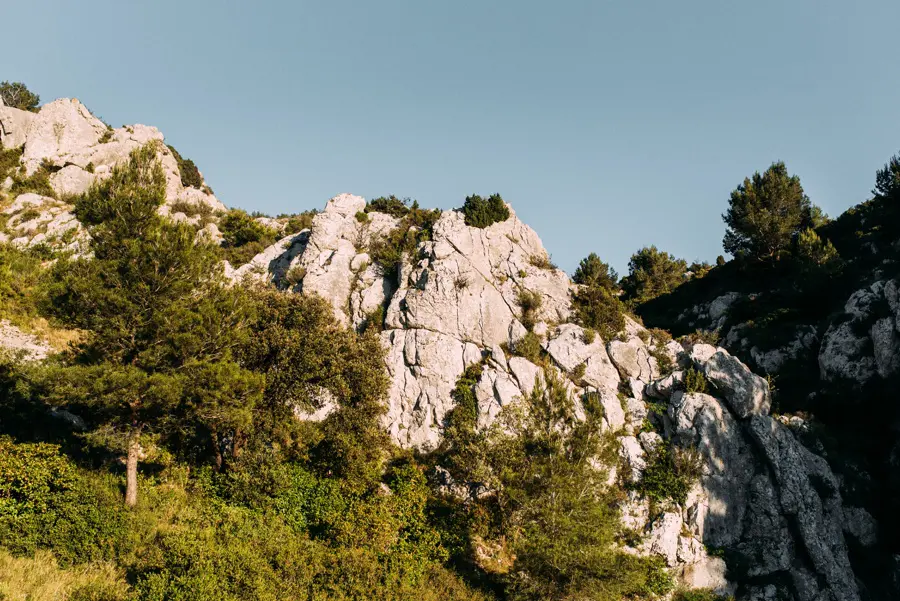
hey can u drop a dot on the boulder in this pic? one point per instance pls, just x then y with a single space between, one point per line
663 539
632 455
62 132
633 359
14 124
844 355
747 394
568 349
495 390
71 180
423 367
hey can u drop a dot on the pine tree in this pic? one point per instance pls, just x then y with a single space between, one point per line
161 326
17 95
765 213
652 272
594 272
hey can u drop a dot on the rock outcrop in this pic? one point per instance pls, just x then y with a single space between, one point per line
76 150
770 508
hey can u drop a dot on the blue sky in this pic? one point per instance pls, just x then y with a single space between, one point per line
607 125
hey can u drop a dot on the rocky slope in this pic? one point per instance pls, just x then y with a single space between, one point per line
766 519
770 508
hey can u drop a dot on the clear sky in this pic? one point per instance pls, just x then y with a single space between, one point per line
607 125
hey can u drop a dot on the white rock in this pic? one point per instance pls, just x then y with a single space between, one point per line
71 180
19 344
886 345
633 359
632 455
14 124
568 349
663 538
860 524
62 132
746 393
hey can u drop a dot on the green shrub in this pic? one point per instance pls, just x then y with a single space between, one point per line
38 182
298 222
816 254
295 275
695 381
194 209
107 135
190 175
362 217
482 212
670 473
530 303
592 271
702 337
598 309
243 236
529 347
541 262
391 205
21 283
652 273
9 161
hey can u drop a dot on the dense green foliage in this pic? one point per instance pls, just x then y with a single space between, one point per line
162 326
391 205
190 175
652 272
244 237
599 309
592 271
550 530
482 212
298 222
670 473
765 213
820 264
17 95
20 280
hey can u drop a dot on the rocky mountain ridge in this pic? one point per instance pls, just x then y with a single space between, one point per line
765 520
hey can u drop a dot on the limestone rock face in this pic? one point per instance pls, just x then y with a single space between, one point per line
568 349
79 150
865 341
747 393
35 219
451 304
634 359
71 180
61 133
14 124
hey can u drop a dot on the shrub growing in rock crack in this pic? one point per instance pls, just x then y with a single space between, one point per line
530 303
670 473
695 381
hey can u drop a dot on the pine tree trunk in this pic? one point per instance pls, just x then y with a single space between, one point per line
131 465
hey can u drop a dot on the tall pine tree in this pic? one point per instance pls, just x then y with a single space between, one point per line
161 325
